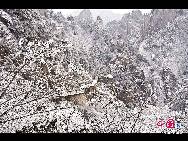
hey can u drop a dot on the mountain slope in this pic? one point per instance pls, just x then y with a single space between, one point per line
76 74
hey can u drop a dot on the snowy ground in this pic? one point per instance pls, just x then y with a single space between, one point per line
102 114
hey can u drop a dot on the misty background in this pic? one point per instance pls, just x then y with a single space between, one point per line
106 14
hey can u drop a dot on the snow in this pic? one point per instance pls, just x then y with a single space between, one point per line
94 83
134 72
109 76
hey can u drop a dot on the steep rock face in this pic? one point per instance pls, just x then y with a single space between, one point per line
85 20
160 17
166 50
167 47
85 15
132 24
33 61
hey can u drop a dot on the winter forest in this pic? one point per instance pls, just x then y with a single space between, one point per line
76 74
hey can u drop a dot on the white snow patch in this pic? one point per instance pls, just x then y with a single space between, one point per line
109 76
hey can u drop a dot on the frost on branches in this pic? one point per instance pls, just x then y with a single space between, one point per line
75 74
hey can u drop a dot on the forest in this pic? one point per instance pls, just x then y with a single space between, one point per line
76 74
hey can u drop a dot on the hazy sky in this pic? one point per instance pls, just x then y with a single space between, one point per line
75 12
